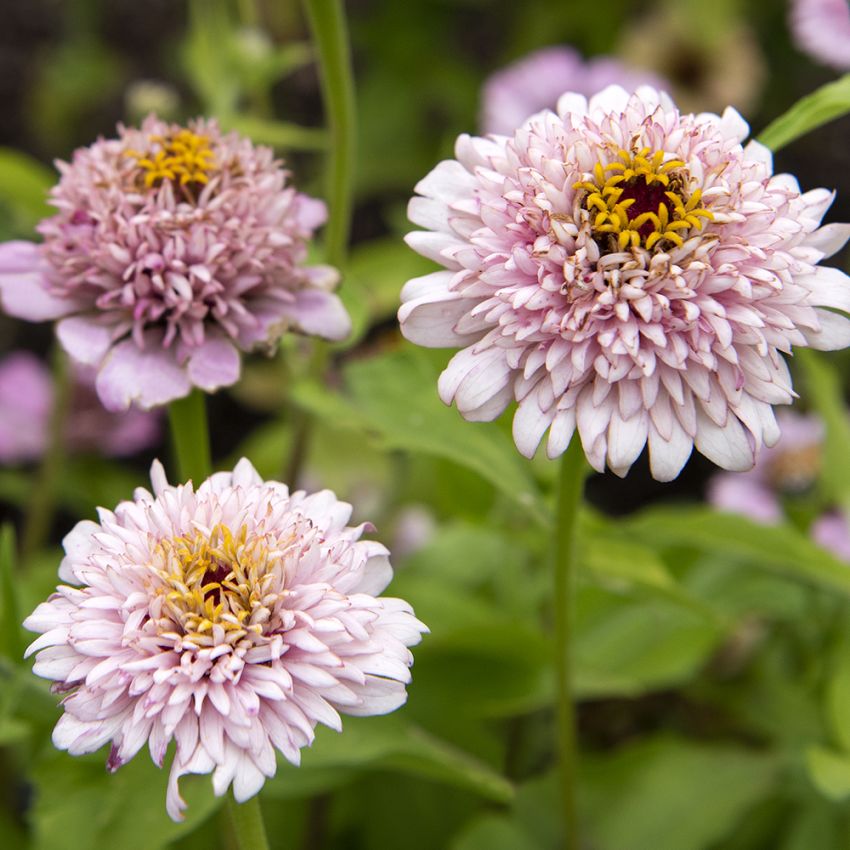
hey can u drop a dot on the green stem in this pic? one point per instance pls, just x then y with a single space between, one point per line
330 35
247 822
42 501
570 488
190 437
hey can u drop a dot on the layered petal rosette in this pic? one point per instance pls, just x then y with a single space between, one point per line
172 250
230 619
625 271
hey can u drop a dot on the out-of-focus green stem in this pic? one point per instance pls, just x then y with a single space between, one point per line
42 501
190 437
247 822
570 489
330 34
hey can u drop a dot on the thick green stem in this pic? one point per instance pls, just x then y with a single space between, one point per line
42 501
246 819
570 488
330 35
190 437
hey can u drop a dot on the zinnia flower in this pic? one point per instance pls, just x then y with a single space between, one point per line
26 402
536 82
788 469
627 271
231 619
821 28
172 250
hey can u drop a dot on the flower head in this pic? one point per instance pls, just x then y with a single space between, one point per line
172 249
626 271
536 82
821 28
231 619
26 402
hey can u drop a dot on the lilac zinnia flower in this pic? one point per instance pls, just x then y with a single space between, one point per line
821 28
26 402
536 82
172 250
626 271
231 619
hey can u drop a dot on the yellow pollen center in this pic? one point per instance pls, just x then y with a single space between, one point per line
183 158
640 201
217 585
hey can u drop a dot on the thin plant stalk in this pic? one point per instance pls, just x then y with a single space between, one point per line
42 503
570 489
246 821
190 437
330 37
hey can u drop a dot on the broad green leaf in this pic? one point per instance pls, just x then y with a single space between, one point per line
814 826
393 402
823 385
389 743
79 804
778 548
494 832
822 106
671 793
830 772
24 187
630 645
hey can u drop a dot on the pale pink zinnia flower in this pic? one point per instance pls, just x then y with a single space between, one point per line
536 82
26 403
231 619
172 250
626 271
821 28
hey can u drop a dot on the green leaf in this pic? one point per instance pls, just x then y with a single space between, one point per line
494 832
823 385
79 804
630 645
393 402
830 772
671 793
826 104
11 644
277 134
24 188
778 548
838 696
390 743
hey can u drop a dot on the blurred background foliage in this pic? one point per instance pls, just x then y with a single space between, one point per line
712 653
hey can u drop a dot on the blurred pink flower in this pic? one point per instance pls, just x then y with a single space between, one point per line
536 82
832 532
172 250
626 271
26 401
26 397
231 619
790 466
821 28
